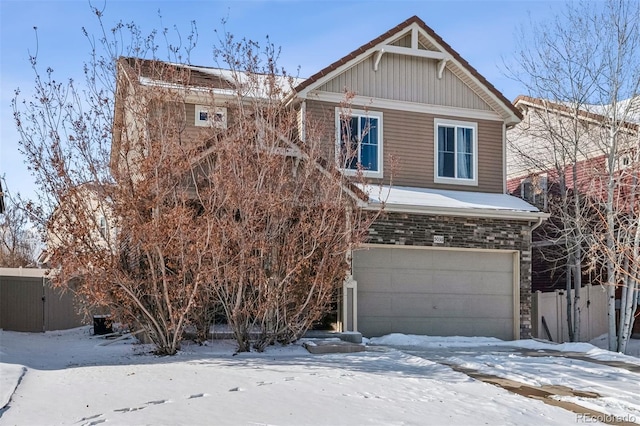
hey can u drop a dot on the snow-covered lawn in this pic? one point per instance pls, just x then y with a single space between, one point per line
69 378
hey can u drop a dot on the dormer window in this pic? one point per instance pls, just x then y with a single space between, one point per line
359 142
207 116
456 152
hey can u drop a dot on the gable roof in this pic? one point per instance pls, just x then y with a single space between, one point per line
511 114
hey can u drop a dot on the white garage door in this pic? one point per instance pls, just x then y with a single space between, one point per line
435 292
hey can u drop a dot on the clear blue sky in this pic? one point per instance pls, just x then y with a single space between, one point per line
312 35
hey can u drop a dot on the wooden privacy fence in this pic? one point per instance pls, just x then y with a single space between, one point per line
552 307
29 303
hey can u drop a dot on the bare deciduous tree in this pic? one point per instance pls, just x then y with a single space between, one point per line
18 242
160 221
586 65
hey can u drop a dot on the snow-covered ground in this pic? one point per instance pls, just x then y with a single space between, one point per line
69 377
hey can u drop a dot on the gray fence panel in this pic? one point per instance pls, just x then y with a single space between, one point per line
60 309
30 304
21 304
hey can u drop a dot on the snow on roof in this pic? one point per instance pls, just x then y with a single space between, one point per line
257 87
445 199
232 76
146 81
625 109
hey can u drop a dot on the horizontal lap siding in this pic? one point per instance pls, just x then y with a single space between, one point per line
408 138
320 127
490 156
191 131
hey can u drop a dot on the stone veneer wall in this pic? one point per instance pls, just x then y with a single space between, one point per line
484 233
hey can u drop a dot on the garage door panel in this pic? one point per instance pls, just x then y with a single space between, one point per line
411 258
370 258
479 261
452 306
435 292
472 282
379 303
456 282
411 280
378 280
373 326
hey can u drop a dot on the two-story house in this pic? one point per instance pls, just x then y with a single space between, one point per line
451 253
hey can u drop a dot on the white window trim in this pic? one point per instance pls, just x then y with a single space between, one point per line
378 174
221 124
103 227
455 181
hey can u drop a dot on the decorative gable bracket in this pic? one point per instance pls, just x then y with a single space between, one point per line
412 51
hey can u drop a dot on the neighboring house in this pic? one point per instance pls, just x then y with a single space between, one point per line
86 204
93 204
451 254
541 162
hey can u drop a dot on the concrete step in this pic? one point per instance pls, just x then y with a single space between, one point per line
347 336
332 346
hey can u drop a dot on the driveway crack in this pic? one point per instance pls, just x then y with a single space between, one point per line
8 404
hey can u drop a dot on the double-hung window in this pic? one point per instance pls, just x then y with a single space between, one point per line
359 142
456 152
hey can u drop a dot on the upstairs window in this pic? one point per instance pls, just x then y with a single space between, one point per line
456 152
211 116
359 142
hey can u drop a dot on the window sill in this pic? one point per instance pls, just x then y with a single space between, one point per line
456 181
365 173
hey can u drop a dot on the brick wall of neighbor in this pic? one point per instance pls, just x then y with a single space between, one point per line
463 232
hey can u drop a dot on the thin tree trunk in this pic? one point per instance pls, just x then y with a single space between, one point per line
577 287
611 246
569 268
629 301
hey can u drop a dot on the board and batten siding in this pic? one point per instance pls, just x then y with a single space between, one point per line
408 137
406 78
